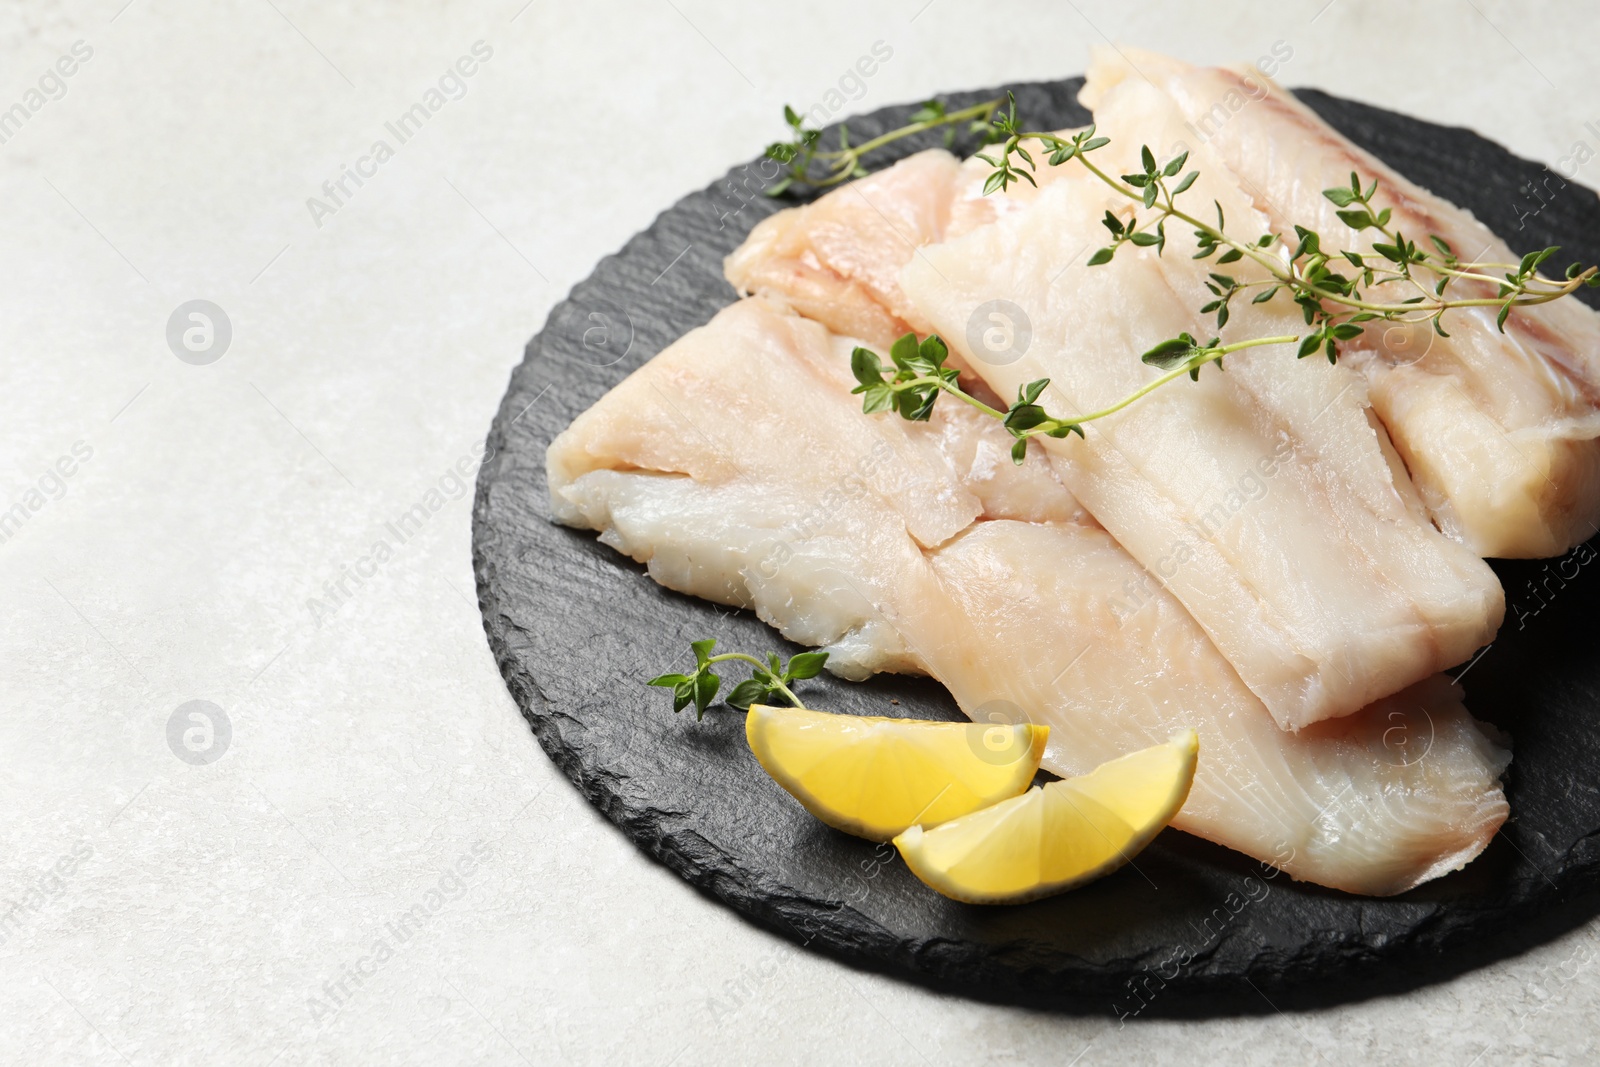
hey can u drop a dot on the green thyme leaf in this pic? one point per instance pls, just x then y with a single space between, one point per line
865 366
1170 353
904 350
1024 417
877 398
916 405
705 691
805 665
746 693
670 681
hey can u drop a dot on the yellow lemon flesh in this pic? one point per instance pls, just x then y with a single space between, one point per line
1059 835
873 777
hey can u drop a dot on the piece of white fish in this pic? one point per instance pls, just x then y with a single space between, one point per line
1309 421
1501 432
838 260
1292 546
738 467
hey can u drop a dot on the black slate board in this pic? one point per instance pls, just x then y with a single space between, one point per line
575 628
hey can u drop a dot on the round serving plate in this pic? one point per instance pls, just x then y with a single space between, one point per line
1196 929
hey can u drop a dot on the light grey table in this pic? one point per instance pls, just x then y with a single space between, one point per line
208 531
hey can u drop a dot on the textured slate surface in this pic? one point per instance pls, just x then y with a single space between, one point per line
1198 929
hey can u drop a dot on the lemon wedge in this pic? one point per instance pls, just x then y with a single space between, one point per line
874 777
1059 835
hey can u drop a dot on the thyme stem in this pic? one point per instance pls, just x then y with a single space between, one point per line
1335 307
777 683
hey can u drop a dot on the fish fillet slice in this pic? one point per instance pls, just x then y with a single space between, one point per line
1021 606
1324 596
838 260
1357 803
1323 409
1499 430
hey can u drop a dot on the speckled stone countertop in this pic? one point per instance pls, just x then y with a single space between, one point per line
266 798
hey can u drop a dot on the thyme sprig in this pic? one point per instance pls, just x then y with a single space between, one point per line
920 376
809 164
1336 305
771 678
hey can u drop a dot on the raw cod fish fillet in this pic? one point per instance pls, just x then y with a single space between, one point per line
1501 432
738 467
1261 497
1447 600
1409 602
838 260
